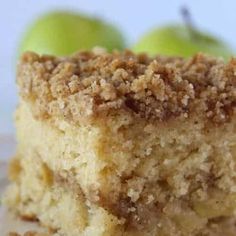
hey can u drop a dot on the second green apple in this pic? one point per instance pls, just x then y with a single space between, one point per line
180 40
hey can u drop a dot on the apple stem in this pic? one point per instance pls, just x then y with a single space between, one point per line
189 22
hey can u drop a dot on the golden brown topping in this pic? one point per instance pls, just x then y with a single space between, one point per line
90 83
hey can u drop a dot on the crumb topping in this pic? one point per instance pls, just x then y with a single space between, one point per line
90 83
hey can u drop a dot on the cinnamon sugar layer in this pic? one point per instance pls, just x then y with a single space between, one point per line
87 84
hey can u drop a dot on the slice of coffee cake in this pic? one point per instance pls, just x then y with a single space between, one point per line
120 144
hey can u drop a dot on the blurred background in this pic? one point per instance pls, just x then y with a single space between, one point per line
133 19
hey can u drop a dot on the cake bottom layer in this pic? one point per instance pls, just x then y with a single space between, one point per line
36 193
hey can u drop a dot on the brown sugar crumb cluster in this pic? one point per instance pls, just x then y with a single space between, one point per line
89 83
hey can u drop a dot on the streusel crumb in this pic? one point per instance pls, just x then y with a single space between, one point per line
90 83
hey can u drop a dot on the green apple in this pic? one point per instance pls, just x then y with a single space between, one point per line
62 33
181 40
